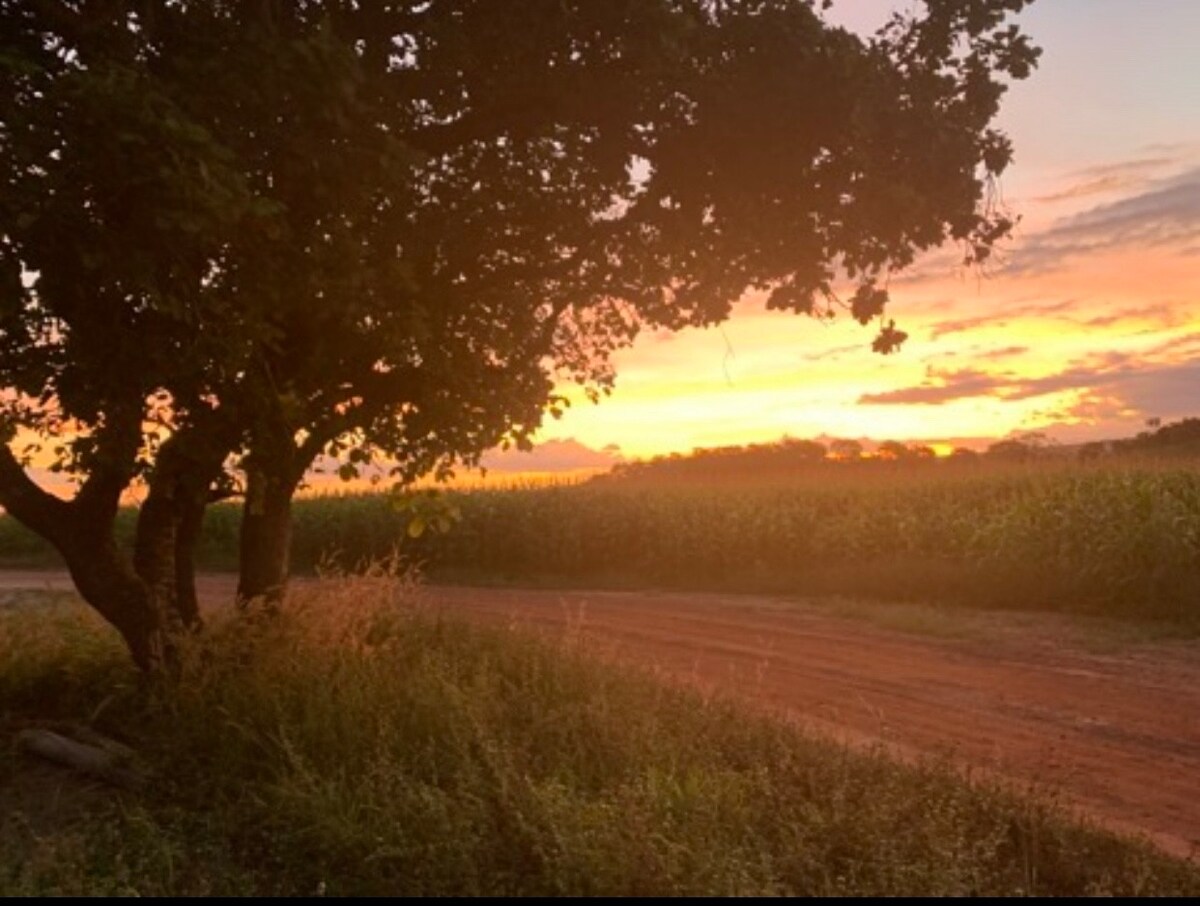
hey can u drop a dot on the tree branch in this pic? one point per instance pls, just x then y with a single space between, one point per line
28 503
113 468
379 391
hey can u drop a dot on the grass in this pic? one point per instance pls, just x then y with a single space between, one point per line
358 745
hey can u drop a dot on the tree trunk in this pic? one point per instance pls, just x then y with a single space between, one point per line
168 529
82 531
105 580
187 535
169 522
154 548
266 535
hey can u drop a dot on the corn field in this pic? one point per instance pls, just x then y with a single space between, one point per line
1120 540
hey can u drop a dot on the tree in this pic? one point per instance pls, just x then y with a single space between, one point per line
893 451
846 450
1011 450
1022 447
1181 435
241 235
803 451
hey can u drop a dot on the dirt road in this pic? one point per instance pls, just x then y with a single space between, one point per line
1115 734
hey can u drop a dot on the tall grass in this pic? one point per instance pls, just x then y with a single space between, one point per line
356 745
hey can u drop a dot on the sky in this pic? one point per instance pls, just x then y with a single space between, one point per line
1088 327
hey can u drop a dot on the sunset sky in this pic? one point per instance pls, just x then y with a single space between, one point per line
1089 326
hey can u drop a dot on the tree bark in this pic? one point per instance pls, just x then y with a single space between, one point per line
266 534
170 520
168 530
105 580
154 547
187 535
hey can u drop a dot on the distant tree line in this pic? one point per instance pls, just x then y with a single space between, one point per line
791 455
1181 438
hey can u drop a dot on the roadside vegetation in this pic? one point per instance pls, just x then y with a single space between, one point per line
1118 538
356 745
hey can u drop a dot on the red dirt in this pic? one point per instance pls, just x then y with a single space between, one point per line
1115 735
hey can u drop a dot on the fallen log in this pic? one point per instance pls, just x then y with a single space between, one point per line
109 762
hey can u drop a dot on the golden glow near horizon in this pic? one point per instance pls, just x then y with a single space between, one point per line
1079 351
1090 326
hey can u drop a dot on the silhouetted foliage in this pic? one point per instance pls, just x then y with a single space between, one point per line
762 463
237 236
892 450
844 450
1181 438
722 463
1022 448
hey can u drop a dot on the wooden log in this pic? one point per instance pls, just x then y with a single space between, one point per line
85 734
103 764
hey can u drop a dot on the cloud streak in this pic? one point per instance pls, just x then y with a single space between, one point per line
1003 352
941 386
1111 383
1001 318
1108 178
835 352
1166 213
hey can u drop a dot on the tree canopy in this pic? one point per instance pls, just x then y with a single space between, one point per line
238 235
